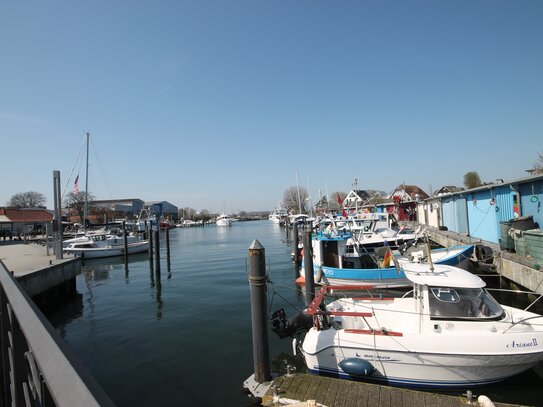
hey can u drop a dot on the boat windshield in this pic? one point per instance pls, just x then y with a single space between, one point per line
463 303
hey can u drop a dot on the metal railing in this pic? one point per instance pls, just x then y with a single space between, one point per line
38 368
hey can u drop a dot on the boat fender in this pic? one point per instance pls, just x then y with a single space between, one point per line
318 277
484 401
484 254
356 367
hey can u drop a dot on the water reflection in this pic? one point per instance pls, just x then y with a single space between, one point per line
66 313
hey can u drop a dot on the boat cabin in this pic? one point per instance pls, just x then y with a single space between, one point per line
333 249
452 293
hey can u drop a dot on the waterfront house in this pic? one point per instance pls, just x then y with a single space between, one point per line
16 221
405 199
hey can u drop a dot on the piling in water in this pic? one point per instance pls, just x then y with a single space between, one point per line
125 243
295 241
151 249
259 314
308 267
157 250
168 247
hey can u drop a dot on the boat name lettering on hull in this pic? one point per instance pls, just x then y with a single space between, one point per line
373 357
531 344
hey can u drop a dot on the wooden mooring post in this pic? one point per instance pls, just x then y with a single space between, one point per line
168 248
259 382
125 237
295 241
157 250
308 267
150 232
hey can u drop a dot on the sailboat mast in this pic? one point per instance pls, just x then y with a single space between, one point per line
86 207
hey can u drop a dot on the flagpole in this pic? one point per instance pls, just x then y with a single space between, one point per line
86 208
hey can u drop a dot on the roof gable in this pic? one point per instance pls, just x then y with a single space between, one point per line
410 191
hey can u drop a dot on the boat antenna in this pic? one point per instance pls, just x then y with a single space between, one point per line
86 207
299 199
355 187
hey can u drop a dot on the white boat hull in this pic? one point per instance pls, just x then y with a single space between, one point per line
424 369
111 251
407 348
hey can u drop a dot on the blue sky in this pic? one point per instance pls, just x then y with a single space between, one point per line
222 105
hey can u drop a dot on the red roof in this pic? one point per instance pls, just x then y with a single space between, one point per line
25 215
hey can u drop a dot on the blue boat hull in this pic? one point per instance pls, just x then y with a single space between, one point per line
385 276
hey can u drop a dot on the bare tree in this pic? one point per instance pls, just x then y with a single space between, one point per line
335 199
76 202
472 180
538 165
30 199
295 199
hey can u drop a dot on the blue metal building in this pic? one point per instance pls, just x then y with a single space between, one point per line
478 212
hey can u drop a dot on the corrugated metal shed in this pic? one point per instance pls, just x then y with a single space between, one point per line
531 198
482 219
485 207
455 215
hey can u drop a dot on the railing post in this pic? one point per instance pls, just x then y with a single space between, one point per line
5 327
17 360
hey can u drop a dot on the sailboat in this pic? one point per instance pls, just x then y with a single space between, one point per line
92 244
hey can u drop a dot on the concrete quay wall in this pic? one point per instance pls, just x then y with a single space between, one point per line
35 270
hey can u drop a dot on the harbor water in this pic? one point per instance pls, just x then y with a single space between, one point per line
183 337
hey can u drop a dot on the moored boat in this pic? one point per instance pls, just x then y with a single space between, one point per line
223 220
337 262
447 332
90 249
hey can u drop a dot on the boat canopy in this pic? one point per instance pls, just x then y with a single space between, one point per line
442 276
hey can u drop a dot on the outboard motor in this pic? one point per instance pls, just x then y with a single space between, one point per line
284 327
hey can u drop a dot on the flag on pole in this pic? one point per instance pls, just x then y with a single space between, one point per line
76 185
387 259
340 202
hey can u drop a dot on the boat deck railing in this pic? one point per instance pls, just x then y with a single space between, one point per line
39 369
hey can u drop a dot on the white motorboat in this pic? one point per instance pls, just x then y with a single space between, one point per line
447 332
371 231
336 262
92 250
278 216
223 220
100 238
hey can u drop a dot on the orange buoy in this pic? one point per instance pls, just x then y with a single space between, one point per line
300 280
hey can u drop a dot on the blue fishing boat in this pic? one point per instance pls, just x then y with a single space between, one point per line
336 261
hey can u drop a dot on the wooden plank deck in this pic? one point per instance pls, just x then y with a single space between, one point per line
332 392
